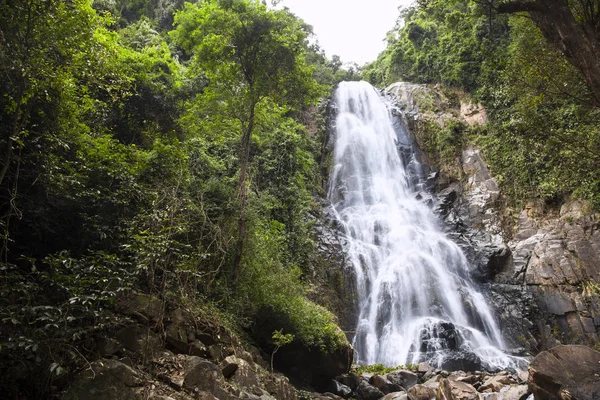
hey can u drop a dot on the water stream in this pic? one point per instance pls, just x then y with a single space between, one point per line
417 302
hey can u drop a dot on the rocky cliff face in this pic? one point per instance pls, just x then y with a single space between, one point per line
541 271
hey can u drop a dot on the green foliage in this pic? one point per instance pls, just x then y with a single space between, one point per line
448 42
121 167
381 369
542 140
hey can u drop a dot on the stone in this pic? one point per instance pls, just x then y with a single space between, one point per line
177 338
396 396
339 389
566 370
201 374
139 339
228 366
107 347
350 379
454 390
382 383
279 386
105 379
496 383
364 391
424 367
197 348
515 392
422 392
403 378
245 375
141 306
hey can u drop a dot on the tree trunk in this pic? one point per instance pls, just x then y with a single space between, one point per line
577 41
244 161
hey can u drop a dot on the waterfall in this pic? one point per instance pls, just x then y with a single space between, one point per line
417 302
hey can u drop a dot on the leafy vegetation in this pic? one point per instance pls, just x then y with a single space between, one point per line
171 160
542 140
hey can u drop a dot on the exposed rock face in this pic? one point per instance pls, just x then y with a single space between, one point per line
544 277
565 372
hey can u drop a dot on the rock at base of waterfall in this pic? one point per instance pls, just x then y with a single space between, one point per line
339 389
365 391
382 383
461 360
571 371
455 390
406 379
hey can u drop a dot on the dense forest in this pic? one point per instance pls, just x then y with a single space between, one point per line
523 61
155 146
175 149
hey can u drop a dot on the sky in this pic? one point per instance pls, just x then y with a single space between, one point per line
353 29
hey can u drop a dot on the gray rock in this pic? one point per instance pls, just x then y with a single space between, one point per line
403 378
201 374
571 371
140 339
339 389
382 383
105 379
454 390
364 391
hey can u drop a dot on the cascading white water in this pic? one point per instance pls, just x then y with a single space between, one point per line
416 299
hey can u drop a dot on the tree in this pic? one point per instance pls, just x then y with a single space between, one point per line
572 27
249 54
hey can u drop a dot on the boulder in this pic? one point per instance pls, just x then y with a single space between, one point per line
350 379
566 371
141 306
246 374
200 374
105 379
455 390
515 392
364 391
396 396
496 383
382 383
139 339
422 392
177 338
403 378
339 389
279 386
228 366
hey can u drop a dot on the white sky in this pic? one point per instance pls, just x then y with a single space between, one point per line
353 29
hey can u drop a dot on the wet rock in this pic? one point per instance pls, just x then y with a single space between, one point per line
364 391
324 396
461 360
454 390
564 372
105 379
403 378
339 389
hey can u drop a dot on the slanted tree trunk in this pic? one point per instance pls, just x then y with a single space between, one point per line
577 39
